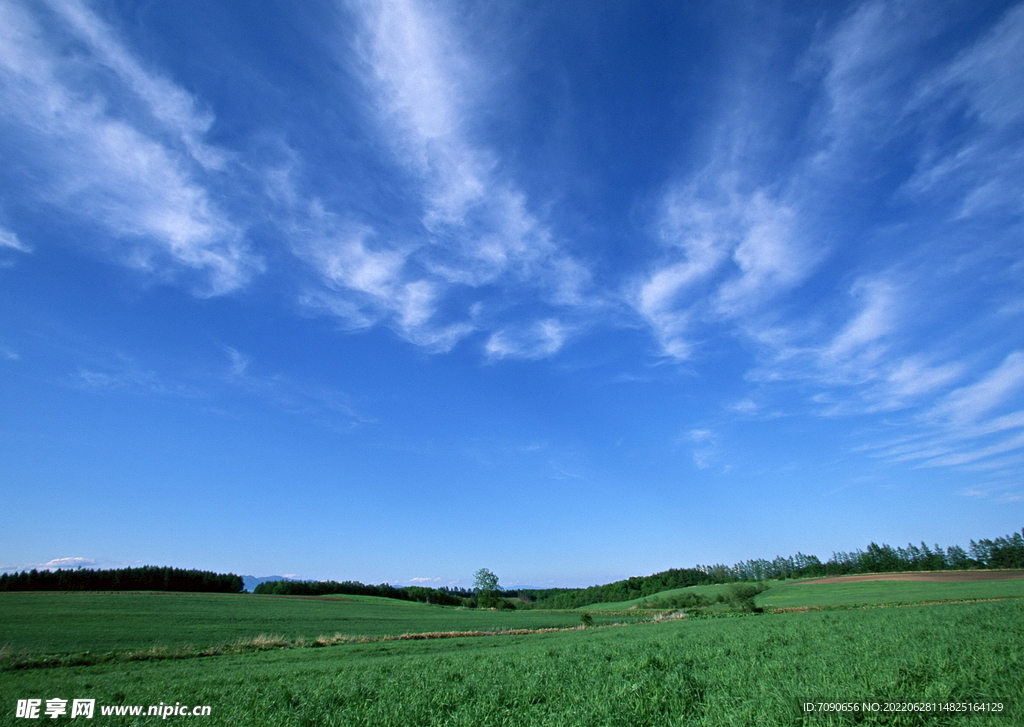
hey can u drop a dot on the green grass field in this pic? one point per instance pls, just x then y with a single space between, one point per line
801 594
49 622
755 669
707 591
751 670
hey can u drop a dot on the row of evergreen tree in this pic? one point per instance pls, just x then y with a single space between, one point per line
441 596
1003 552
624 590
146 578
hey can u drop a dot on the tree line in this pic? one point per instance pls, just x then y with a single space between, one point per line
146 578
1003 552
442 596
625 590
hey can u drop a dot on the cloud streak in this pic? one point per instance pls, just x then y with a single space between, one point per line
470 247
136 172
10 241
728 253
871 331
847 242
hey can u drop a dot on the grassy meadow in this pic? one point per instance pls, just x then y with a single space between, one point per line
810 594
802 594
754 669
72 621
709 592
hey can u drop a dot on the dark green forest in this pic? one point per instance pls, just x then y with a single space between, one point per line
1003 552
146 578
441 596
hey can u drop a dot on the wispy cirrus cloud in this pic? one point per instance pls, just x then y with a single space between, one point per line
68 563
727 254
425 86
704 444
858 360
75 562
123 375
540 340
982 85
10 241
364 280
116 144
469 246
231 385
975 424
322 404
967 404
867 315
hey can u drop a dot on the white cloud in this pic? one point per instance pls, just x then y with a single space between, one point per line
703 445
966 404
1010 444
541 340
239 362
477 224
348 262
700 435
326 405
174 108
747 407
370 281
70 563
136 172
419 76
65 563
769 257
988 72
884 343
960 429
693 229
727 254
980 88
862 81
124 376
914 377
9 239
859 340
471 236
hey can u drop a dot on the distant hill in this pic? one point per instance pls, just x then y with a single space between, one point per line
249 583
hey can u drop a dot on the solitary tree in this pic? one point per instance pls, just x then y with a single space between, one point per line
485 583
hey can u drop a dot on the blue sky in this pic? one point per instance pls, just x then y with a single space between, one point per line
392 291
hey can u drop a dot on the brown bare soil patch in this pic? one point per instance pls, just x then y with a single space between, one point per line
949 576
